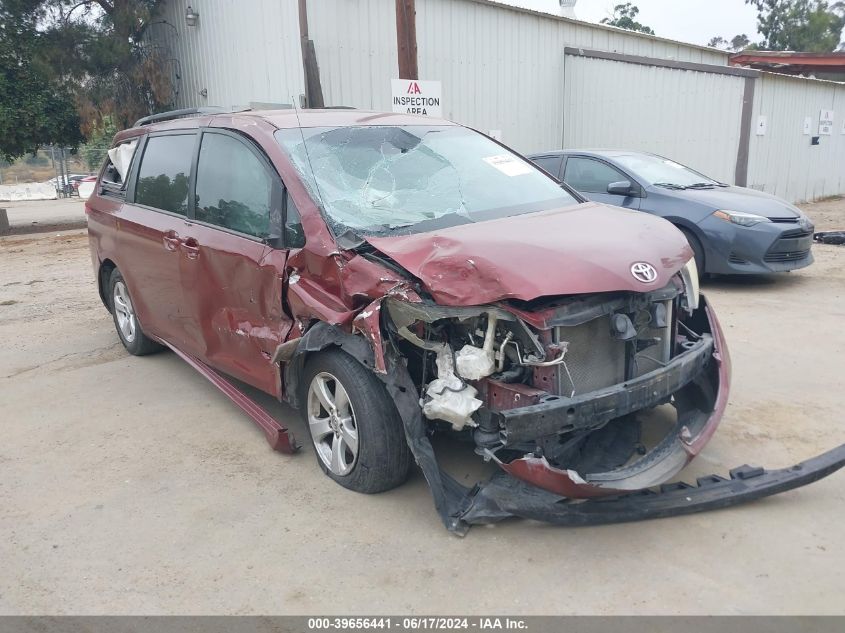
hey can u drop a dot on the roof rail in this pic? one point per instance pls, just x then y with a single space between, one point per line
185 112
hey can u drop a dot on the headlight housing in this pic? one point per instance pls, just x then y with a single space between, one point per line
689 275
740 218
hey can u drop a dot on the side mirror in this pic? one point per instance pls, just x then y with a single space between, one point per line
621 188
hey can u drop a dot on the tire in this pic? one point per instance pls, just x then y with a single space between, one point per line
698 251
367 414
125 320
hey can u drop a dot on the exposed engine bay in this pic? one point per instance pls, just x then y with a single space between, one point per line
520 377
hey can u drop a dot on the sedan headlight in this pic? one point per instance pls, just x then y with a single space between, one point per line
689 274
743 219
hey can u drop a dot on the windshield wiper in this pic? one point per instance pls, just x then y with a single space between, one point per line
669 185
703 185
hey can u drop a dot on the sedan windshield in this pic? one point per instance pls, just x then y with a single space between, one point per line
396 180
662 172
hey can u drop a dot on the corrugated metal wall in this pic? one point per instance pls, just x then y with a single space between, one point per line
241 51
689 116
501 67
355 41
505 69
783 161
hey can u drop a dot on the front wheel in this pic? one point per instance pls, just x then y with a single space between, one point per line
355 428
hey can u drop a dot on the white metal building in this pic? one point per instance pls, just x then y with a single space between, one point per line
545 82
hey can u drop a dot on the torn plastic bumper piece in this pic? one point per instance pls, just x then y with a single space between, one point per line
279 438
504 496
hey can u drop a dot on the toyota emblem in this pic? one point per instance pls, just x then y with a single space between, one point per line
643 272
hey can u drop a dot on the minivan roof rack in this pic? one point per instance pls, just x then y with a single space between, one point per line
185 112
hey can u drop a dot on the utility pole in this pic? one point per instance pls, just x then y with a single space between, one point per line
406 38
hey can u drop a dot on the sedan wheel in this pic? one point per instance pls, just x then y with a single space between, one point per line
331 420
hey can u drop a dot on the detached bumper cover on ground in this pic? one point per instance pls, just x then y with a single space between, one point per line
504 496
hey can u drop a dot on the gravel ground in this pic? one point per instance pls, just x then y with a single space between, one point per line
130 486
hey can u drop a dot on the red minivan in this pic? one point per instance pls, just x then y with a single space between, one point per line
398 277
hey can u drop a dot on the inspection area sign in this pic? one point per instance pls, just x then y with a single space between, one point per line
826 122
412 96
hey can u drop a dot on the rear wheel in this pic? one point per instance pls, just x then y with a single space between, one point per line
125 320
697 249
355 428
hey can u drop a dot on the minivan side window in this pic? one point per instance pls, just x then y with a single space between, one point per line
591 176
234 188
116 170
165 172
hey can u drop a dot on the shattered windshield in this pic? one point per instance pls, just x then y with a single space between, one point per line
397 180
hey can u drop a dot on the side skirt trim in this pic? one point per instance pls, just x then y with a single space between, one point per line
279 438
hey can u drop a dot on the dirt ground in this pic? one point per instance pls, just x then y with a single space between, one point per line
131 486
40 216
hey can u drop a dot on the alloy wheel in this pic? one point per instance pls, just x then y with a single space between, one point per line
331 420
124 312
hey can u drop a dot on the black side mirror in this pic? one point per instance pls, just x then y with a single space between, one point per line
621 188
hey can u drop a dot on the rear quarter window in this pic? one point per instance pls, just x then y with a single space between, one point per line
549 163
116 169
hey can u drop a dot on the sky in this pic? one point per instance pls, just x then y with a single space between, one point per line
694 21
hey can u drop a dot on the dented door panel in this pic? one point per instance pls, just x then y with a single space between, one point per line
233 294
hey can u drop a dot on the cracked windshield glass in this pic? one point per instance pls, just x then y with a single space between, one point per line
391 180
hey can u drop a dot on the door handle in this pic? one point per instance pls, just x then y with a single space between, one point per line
191 248
171 240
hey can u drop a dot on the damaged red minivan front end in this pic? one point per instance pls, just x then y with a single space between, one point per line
397 278
566 340
550 336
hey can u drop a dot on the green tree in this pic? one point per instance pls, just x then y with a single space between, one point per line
36 106
98 143
100 47
737 43
624 17
800 25
69 66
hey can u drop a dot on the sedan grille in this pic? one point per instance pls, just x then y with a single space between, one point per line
786 257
